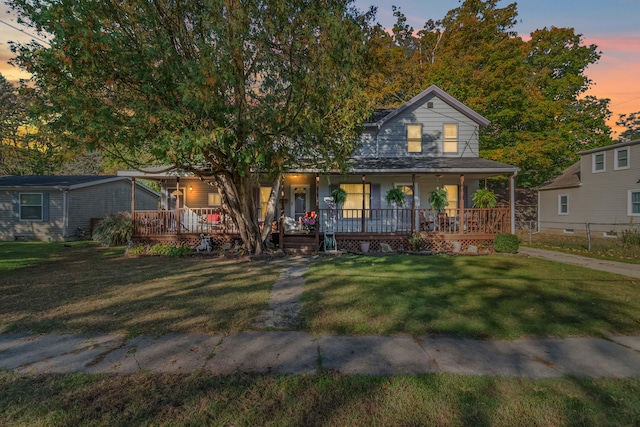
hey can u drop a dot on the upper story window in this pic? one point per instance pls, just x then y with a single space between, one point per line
563 204
31 206
450 138
621 160
414 138
598 162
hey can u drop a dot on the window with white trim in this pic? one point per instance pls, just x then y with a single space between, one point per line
598 162
450 132
414 138
214 199
265 194
31 206
634 203
352 207
563 204
621 158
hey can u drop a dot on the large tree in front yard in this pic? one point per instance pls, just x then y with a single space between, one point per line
234 89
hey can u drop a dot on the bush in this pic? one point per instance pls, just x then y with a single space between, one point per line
630 237
506 243
114 230
169 250
418 241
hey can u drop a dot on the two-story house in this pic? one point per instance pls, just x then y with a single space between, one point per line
430 142
602 189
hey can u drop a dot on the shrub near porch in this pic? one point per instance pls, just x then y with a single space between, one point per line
501 297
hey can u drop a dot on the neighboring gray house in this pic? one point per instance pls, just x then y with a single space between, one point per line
53 208
602 189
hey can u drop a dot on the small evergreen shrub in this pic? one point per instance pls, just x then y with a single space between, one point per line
114 230
506 243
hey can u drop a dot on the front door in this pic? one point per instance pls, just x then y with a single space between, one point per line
300 201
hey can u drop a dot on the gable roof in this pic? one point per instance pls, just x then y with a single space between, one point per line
380 117
570 177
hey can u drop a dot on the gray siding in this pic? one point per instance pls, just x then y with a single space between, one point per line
49 231
602 197
100 200
391 139
82 204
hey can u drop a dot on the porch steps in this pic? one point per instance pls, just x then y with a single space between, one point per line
300 244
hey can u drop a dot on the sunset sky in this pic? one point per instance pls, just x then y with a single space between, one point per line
612 25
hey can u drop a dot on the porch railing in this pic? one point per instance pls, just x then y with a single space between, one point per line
185 220
375 221
448 221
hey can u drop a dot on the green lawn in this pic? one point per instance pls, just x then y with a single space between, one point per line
85 288
147 399
82 287
496 296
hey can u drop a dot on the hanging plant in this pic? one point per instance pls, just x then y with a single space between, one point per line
484 198
438 199
395 196
339 195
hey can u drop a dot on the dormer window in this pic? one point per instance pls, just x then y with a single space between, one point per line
414 138
450 145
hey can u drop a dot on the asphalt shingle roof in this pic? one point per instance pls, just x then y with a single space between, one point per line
62 181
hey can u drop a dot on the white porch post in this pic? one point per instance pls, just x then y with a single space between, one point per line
512 198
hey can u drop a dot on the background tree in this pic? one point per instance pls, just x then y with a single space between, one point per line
234 89
532 91
632 123
24 150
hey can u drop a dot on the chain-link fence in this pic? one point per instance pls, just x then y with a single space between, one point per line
590 236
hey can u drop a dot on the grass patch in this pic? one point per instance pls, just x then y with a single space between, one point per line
502 297
315 400
610 249
87 288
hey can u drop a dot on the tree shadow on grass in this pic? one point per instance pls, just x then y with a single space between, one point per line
476 297
99 290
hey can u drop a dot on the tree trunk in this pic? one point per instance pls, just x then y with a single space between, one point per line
238 201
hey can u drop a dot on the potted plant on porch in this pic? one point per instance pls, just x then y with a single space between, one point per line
339 196
395 197
438 201
484 198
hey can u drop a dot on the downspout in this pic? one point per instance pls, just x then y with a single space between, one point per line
512 203
65 213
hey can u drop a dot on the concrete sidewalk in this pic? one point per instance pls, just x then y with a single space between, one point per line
289 352
631 270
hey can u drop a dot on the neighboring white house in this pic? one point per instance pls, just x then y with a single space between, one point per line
602 190
54 208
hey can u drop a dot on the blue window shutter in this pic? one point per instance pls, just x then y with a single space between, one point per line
16 206
45 207
375 201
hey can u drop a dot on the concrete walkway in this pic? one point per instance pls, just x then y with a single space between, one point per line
632 270
287 352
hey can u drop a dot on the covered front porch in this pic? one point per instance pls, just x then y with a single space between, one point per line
336 229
